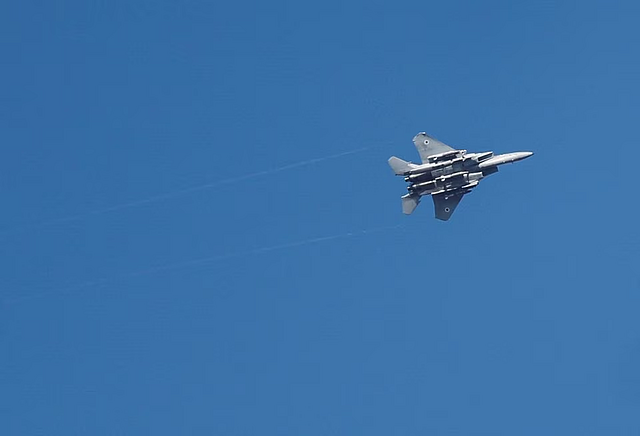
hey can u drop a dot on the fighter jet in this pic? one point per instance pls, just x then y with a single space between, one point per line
446 174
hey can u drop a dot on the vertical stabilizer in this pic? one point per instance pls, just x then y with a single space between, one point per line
400 166
409 203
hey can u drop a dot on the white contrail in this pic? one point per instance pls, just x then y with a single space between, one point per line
204 261
188 190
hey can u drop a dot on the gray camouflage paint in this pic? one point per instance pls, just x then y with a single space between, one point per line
447 174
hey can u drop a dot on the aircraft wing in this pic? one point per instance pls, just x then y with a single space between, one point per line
428 146
445 207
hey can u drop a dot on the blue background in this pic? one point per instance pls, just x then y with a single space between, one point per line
518 316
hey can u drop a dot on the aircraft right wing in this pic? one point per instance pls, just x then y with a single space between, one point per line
445 206
428 146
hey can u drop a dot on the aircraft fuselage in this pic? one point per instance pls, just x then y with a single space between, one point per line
446 173
459 171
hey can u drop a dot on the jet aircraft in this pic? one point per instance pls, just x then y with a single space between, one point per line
446 174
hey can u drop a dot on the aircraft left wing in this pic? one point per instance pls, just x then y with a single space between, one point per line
445 206
428 146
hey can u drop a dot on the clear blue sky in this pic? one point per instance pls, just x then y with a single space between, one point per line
517 317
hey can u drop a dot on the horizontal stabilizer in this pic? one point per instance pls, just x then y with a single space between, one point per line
409 203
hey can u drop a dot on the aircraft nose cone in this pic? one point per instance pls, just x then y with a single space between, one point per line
523 155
